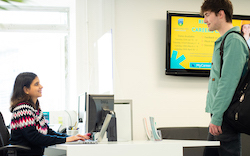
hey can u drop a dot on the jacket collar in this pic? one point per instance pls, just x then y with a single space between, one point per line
232 29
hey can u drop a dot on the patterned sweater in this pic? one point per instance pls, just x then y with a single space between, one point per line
28 128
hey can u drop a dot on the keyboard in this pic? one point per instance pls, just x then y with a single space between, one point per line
83 142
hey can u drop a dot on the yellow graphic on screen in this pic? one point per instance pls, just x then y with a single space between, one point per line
192 44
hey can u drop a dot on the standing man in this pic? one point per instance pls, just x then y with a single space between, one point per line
218 16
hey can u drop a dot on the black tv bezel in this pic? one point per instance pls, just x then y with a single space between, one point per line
186 72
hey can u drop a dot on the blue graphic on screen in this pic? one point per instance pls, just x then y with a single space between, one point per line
180 21
175 62
200 65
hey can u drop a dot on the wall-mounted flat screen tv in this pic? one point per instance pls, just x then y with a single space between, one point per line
189 43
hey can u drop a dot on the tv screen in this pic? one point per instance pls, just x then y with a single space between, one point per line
189 43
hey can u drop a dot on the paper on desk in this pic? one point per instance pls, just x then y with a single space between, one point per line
154 130
147 128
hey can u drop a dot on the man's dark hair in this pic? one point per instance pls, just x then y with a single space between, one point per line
217 5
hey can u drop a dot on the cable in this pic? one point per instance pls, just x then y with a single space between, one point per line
69 117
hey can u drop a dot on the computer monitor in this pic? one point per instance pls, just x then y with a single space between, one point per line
82 108
97 107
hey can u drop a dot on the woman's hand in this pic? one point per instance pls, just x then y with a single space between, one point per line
77 137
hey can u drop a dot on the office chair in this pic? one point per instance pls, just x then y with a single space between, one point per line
5 148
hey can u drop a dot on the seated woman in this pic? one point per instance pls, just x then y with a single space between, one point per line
28 125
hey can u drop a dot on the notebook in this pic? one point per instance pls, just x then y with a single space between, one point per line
101 134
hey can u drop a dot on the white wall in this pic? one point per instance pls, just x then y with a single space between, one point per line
139 64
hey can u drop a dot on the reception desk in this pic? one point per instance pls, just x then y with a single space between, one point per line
130 148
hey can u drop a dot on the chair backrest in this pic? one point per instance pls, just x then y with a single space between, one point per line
4 132
4 135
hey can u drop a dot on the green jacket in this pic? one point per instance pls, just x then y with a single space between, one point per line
221 89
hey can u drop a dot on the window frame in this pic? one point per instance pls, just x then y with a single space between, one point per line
41 28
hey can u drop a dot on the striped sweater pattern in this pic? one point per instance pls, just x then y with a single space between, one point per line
24 115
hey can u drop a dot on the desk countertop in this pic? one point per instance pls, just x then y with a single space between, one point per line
183 143
146 148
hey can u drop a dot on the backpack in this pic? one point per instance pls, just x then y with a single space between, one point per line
238 112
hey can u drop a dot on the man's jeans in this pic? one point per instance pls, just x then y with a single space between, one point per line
230 142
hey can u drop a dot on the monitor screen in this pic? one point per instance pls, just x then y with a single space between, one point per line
97 107
189 43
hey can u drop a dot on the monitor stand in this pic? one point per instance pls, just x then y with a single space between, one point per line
112 129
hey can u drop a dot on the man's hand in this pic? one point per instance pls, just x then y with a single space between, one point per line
214 129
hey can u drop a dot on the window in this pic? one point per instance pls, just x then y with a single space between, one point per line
105 63
34 40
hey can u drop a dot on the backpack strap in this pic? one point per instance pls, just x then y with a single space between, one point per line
222 46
